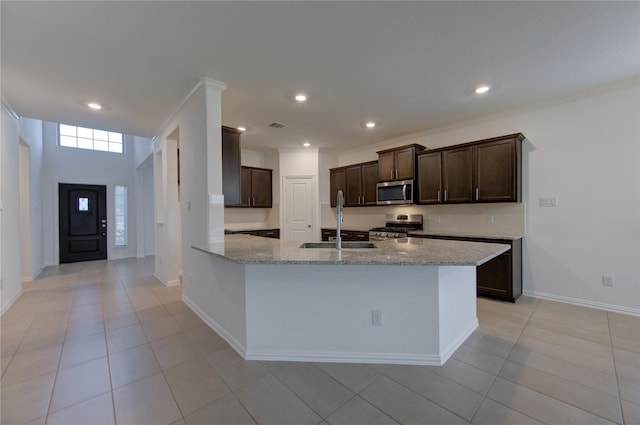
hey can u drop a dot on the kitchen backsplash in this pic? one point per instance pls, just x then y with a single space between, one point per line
252 218
508 218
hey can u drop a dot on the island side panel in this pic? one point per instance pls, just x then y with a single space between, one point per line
324 313
215 291
458 315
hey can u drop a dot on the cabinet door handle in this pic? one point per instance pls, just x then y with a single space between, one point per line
477 193
391 174
439 196
445 196
362 199
396 174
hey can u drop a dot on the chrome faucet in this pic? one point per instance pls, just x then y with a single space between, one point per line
339 221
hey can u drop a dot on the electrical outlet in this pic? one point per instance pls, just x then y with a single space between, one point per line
607 280
376 317
548 202
490 219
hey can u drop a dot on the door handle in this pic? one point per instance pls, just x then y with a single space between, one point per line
309 226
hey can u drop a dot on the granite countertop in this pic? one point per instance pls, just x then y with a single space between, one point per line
467 234
245 249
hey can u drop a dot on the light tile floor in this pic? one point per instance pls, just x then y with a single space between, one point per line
105 342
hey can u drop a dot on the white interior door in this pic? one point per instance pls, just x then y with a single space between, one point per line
299 205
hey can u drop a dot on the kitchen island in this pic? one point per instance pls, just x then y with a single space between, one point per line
407 301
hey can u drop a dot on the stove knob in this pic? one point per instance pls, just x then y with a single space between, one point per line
383 234
395 235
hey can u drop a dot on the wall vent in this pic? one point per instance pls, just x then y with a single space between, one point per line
277 125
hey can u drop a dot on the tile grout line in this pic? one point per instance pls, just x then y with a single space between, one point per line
615 369
485 396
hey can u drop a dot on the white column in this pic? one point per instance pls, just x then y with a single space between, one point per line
213 91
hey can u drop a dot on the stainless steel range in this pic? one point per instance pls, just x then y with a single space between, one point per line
396 226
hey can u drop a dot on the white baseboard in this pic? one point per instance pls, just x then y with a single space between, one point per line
234 343
161 279
10 303
458 342
584 303
341 357
32 278
328 357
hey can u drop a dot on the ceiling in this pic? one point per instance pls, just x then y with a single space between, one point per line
410 66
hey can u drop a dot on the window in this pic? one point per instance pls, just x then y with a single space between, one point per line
87 138
120 202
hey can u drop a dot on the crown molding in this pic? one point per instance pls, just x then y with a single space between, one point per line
205 82
7 107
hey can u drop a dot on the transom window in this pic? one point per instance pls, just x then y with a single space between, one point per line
89 138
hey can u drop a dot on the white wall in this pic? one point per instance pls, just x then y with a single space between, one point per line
31 134
69 165
197 121
148 203
586 152
10 276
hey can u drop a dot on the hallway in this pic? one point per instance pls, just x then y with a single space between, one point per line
105 342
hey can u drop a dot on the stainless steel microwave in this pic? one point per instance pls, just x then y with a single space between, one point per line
397 192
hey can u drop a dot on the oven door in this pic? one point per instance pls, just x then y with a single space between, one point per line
395 193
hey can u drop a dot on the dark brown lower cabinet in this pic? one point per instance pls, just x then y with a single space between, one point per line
500 277
347 235
266 233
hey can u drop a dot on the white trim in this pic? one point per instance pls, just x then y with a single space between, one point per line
200 86
320 356
448 352
234 343
11 302
173 282
9 109
329 357
584 303
161 279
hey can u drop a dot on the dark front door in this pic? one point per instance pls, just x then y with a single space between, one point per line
83 222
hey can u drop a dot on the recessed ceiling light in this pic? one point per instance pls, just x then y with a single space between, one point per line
370 124
94 105
300 97
306 144
482 89
241 128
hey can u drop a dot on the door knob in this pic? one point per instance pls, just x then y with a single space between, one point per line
308 225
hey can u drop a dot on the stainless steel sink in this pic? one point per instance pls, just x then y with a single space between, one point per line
345 245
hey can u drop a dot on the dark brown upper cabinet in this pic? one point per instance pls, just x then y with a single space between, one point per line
231 165
360 181
456 175
337 181
357 182
497 175
445 176
484 171
398 163
256 188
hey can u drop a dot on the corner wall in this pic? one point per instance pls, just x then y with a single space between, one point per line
10 279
